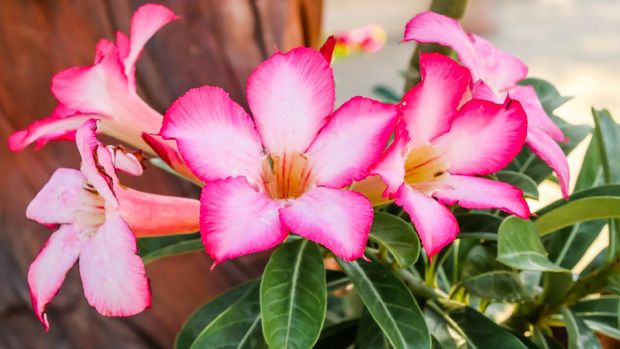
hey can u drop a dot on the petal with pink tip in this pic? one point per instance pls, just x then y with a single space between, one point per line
484 137
551 153
168 151
145 22
53 127
327 49
391 167
536 114
434 223
56 202
150 214
126 161
216 137
96 164
482 193
113 275
429 107
337 219
351 141
291 95
48 270
236 220
498 69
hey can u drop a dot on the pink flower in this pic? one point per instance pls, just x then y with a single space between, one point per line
105 90
495 76
285 169
98 219
440 149
369 38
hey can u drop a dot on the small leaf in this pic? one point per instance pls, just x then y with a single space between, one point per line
293 296
397 236
580 336
521 181
576 211
207 313
519 246
390 303
236 327
152 249
481 332
369 335
499 286
386 94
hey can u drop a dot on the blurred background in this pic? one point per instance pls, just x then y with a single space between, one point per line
575 44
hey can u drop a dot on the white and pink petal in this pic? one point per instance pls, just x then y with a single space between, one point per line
57 201
550 152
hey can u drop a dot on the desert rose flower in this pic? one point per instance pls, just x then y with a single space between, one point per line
97 220
495 75
439 151
286 168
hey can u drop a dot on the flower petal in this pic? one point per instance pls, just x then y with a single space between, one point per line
168 151
145 22
434 223
337 219
327 49
54 127
113 275
484 137
482 193
150 214
126 161
48 270
351 141
205 121
498 69
551 153
56 202
536 114
391 167
291 95
236 220
429 107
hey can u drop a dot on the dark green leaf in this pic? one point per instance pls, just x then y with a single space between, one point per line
390 303
478 224
154 248
207 313
580 336
521 181
605 325
369 334
293 296
397 236
340 335
481 258
481 332
601 306
555 287
499 286
438 326
386 94
336 279
519 246
236 327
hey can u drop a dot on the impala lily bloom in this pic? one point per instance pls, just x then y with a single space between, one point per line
369 38
285 170
98 219
105 90
438 151
496 74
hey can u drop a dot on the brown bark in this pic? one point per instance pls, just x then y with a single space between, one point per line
218 43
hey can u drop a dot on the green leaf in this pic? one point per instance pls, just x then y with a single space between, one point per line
397 236
390 303
340 335
369 334
478 225
499 286
386 94
207 313
548 95
519 246
236 327
580 336
481 332
439 327
521 181
481 258
576 211
293 296
555 288
151 249
570 244
601 306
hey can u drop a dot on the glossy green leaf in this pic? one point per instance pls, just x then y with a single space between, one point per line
236 327
499 286
478 225
521 181
481 258
439 328
580 336
519 246
397 236
293 296
556 287
369 334
575 211
340 335
151 249
601 306
390 303
481 332
207 313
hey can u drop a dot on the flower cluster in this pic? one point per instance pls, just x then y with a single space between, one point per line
296 164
